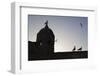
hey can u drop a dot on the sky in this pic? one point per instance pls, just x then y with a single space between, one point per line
69 31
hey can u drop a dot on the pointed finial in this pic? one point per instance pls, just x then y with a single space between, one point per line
46 23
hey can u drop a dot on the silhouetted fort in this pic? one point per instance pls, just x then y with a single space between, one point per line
43 48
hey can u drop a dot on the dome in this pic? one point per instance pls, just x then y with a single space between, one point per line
45 40
46 33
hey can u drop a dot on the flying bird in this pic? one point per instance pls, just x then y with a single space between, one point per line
81 25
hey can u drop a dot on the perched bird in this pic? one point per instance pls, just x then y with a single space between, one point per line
74 48
80 49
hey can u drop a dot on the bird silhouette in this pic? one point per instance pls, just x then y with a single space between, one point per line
74 48
80 49
81 25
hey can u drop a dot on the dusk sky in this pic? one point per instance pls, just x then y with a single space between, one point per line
69 31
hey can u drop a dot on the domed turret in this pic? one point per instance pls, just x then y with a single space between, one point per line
45 40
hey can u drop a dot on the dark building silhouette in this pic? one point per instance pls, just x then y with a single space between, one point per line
44 45
45 40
